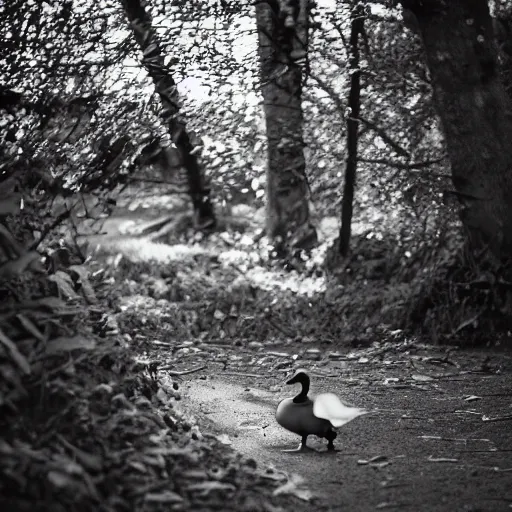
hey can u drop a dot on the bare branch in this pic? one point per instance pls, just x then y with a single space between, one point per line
385 137
330 92
415 166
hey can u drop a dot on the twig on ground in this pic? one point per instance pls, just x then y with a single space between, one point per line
278 354
455 439
442 459
485 451
161 343
440 360
184 372
242 374
507 417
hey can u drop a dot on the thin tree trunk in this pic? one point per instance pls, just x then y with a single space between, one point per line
354 106
153 60
475 111
282 34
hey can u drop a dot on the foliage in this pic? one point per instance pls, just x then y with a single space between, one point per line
93 129
221 74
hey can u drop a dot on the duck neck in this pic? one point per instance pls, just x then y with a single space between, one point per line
303 395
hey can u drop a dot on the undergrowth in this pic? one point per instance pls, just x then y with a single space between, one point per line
84 425
224 288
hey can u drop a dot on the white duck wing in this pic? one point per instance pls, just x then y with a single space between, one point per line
329 407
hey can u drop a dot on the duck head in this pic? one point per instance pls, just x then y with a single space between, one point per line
300 377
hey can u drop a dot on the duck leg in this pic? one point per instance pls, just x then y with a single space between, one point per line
301 448
330 436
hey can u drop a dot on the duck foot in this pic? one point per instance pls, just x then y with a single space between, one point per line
330 448
301 448
331 436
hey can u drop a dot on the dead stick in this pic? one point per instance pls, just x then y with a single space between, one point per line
162 343
184 372
499 418
241 374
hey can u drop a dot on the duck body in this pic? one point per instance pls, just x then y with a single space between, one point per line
299 418
304 416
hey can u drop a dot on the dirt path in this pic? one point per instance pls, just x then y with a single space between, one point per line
440 437
443 444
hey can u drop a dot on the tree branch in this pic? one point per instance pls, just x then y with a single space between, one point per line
410 167
341 105
330 92
385 137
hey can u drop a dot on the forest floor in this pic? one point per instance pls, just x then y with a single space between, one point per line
438 437
439 434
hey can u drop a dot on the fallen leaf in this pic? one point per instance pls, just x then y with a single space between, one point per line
224 439
219 315
30 327
196 474
64 283
60 480
163 497
66 344
87 289
294 487
14 353
209 486
138 466
422 378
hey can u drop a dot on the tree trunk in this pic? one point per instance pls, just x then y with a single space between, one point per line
282 35
153 61
475 112
502 25
354 105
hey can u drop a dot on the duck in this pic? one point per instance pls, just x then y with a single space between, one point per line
318 416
